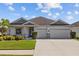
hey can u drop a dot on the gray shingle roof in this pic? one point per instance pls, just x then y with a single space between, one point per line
19 21
41 20
59 22
75 24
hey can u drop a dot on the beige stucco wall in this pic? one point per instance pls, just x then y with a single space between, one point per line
12 31
25 31
75 29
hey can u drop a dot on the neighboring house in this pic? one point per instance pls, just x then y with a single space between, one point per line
75 28
45 28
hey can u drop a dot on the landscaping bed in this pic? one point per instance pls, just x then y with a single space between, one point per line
17 45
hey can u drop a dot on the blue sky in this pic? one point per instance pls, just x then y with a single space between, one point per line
68 12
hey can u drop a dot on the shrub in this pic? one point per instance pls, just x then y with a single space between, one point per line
4 37
8 38
11 38
19 37
77 38
1 38
34 35
73 35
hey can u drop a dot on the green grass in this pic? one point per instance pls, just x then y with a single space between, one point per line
17 45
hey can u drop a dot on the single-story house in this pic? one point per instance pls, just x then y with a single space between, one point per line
75 28
45 28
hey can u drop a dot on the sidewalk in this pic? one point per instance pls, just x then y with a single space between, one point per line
17 52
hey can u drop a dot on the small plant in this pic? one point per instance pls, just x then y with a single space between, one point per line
34 35
77 38
73 35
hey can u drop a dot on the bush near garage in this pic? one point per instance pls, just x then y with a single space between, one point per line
77 38
73 35
34 35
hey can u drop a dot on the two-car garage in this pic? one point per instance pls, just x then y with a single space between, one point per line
53 33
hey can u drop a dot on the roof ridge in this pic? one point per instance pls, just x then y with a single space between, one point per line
41 17
19 19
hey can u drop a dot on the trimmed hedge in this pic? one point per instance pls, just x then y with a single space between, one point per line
11 38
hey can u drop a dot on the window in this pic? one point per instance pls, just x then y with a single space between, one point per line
18 31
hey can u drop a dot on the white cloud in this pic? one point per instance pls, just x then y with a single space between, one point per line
70 17
54 16
39 5
57 14
8 4
23 8
76 12
53 5
48 6
26 16
16 14
33 16
11 8
77 5
61 7
69 12
44 11
49 14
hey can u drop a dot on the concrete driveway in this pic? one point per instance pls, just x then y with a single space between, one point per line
58 47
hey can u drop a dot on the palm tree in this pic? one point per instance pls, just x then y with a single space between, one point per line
4 25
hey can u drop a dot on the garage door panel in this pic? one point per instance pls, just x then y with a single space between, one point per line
41 34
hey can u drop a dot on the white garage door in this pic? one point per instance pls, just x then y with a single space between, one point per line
41 33
59 33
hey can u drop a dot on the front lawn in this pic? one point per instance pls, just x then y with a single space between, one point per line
17 45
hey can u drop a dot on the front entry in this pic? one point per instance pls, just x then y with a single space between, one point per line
31 29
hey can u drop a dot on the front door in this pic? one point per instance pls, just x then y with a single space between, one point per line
31 29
